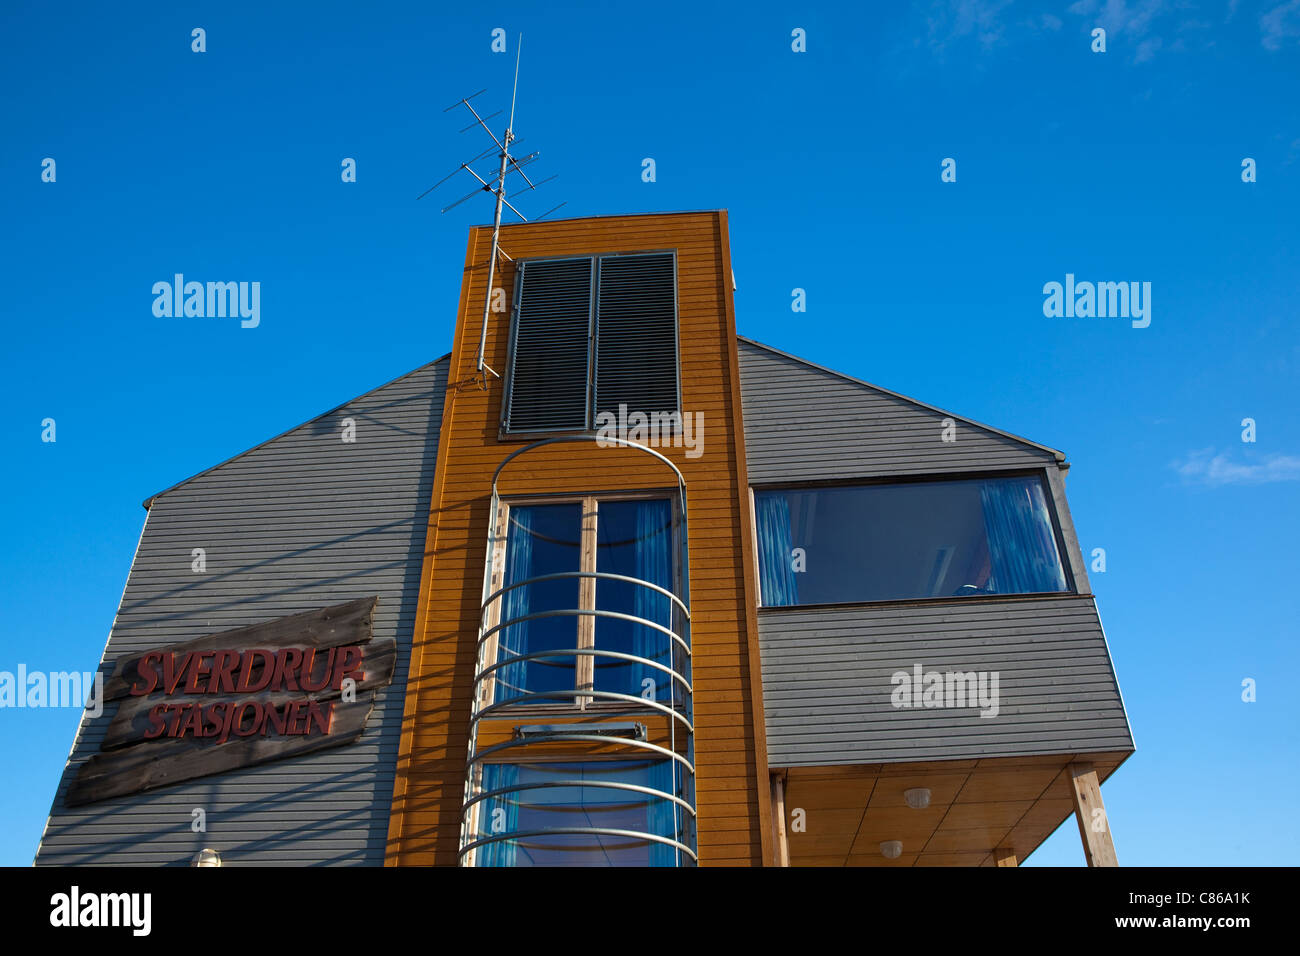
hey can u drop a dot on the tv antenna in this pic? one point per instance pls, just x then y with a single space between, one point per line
496 185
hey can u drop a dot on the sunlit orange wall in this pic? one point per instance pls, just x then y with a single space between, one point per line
732 788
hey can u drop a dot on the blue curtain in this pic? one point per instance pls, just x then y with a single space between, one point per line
512 680
503 852
660 814
1022 547
775 575
654 563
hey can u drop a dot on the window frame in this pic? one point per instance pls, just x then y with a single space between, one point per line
504 431
584 666
1058 535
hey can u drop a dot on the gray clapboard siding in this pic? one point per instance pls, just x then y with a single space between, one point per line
827 688
805 423
300 522
826 670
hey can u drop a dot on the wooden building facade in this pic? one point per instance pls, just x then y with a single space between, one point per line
657 596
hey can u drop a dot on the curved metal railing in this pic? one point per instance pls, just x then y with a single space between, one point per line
489 701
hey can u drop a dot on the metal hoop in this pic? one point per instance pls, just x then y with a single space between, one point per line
683 766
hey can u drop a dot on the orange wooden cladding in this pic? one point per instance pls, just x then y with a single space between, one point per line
730 748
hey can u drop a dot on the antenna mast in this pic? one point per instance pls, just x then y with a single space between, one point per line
496 186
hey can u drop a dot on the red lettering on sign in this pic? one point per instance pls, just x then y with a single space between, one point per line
197 672
296 713
241 710
347 664
156 722
310 681
285 661
212 717
225 723
246 683
176 710
193 723
321 717
224 665
274 719
147 670
258 671
171 673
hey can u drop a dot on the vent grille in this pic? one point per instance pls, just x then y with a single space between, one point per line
548 372
636 334
552 384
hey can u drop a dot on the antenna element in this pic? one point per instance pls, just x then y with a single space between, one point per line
496 185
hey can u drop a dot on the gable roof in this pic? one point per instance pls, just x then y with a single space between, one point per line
248 451
1059 455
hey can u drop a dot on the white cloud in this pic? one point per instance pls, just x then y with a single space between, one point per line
1138 30
1146 49
955 19
1130 26
1292 153
1118 17
1206 467
1280 24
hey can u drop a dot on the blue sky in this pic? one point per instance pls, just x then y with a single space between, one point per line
1117 166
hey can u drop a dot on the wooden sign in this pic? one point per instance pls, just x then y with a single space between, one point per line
273 690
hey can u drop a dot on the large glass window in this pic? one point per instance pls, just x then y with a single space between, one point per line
632 538
577 804
929 539
635 539
541 540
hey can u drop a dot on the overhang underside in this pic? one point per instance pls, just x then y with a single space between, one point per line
976 807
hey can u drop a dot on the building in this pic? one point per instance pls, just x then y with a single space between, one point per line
608 584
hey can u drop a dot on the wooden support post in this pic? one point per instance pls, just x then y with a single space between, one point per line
780 845
1005 856
585 665
1090 812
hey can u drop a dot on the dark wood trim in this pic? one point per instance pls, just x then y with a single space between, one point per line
956 600
1015 471
745 536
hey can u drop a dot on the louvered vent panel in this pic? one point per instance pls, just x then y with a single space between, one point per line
548 372
636 334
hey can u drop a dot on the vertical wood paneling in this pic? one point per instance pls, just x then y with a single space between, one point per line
730 756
